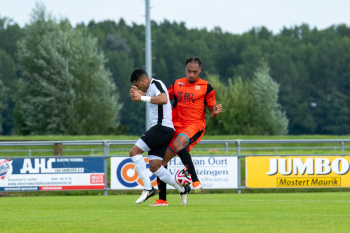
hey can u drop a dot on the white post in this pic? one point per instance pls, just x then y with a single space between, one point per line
105 153
238 143
148 57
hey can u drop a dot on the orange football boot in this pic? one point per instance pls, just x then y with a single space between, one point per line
197 186
159 203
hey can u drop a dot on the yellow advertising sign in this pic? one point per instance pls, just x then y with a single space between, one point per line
297 172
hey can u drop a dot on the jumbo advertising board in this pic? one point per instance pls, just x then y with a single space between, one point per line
49 174
213 172
297 172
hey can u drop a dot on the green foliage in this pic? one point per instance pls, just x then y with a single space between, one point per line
237 104
249 107
120 65
65 88
7 68
268 115
10 33
3 98
7 77
333 113
308 64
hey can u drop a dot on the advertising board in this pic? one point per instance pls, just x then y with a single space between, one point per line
213 172
49 174
297 172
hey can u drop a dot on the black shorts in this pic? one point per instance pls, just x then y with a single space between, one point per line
157 139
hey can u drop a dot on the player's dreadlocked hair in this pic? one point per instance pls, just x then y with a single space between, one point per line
137 74
194 60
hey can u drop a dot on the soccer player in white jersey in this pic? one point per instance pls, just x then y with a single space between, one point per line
157 138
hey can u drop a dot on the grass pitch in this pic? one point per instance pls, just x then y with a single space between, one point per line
293 212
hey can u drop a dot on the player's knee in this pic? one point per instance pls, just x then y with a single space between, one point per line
135 150
179 145
132 152
153 167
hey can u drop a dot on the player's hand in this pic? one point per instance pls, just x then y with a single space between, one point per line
135 94
217 109
134 88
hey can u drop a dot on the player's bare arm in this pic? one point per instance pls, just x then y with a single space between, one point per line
159 100
215 111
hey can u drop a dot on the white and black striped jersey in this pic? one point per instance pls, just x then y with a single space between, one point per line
159 114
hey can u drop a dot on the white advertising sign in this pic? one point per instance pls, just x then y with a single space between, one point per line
213 172
48 174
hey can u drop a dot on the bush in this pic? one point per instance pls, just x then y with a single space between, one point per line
250 107
65 87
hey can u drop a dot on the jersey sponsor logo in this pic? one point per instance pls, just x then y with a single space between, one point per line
185 97
128 176
197 88
180 84
5 168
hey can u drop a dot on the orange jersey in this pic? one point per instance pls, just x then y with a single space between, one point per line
190 101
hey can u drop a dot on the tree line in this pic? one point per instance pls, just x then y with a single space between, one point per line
296 81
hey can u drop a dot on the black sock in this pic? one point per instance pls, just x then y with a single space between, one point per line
162 188
187 161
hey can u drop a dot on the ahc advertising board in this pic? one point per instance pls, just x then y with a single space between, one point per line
297 172
51 174
213 172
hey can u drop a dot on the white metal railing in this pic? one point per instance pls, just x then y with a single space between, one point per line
216 149
107 143
226 144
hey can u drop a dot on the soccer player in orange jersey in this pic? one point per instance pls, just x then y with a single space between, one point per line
191 95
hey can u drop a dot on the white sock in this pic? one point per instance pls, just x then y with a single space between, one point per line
166 177
140 166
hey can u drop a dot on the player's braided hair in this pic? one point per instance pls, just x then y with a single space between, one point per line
137 74
194 60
